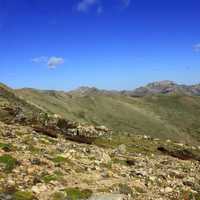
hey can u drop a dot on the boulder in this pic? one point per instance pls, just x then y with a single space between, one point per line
121 149
109 197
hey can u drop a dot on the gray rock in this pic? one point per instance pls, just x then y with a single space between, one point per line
5 197
122 149
108 197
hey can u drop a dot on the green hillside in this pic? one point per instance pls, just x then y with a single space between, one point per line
164 116
11 103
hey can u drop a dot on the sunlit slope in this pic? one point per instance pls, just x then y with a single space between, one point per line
9 102
9 97
164 116
182 112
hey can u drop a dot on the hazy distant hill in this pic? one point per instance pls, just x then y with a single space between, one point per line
161 109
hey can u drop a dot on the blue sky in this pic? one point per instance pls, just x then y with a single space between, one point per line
110 44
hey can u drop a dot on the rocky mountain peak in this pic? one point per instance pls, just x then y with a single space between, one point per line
166 87
162 83
84 89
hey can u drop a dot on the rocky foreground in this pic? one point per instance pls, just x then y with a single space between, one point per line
41 167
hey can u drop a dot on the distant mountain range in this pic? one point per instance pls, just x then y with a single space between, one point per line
165 87
161 109
160 87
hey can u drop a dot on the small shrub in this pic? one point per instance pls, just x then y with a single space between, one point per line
119 161
59 159
53 177
125 189
58 173
58 196
34 149
6 147
49 178
9 162
23 195
76 194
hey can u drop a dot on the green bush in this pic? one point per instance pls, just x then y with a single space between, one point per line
23 195
58 196
6 147
59 159
76 193
58 175
125 189
9 162
49 178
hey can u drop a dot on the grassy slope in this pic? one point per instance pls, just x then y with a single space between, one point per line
180 111
9 98
174 117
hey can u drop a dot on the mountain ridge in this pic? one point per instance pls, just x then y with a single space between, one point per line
163 115
187 89
166 115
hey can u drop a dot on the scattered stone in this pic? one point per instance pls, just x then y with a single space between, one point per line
139 187
49 167
39 188
189 182
35 161
121 149
109 197
140 173
176 174
167 190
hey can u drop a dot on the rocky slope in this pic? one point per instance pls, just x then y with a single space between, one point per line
46 157
36 166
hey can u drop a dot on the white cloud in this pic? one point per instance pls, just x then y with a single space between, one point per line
86 5
196 47
51 62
